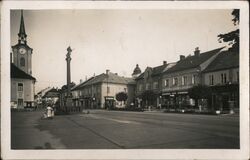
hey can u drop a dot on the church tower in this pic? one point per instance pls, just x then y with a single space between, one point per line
137 71
22 53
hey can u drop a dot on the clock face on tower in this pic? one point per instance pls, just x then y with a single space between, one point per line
22 50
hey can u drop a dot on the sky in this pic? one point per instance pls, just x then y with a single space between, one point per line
114 39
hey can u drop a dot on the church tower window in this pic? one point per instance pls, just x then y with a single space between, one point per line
22 62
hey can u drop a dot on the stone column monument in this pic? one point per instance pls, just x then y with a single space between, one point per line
69 96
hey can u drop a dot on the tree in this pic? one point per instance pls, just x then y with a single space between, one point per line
121 96
232 37
199 92
148 96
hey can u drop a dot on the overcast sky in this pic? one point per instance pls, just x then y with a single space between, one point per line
114 39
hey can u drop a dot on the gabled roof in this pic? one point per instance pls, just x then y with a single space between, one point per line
78 86
103 78
140 76
18 73
52 93
225 60
158 70
155 70
193 61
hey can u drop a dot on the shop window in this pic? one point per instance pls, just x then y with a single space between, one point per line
20 102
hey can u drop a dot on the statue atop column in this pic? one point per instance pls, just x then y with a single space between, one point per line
69 102
68 59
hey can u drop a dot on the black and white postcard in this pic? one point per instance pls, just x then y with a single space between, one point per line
125 80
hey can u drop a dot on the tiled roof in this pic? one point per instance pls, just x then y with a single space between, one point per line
193 61
225 60
155 71
111 78
52 93
140 76
81 84
18 73
158 70
102 78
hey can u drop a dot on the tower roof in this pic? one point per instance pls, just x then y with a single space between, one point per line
137 70
22 27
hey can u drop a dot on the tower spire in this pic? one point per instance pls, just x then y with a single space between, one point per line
22 34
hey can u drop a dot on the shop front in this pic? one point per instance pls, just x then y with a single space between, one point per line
225 98
174 101
109 102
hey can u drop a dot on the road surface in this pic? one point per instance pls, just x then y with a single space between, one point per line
124 130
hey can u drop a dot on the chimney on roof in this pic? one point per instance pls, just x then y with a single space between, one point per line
164 62
86 78
80 80
107 71
197 51
182 57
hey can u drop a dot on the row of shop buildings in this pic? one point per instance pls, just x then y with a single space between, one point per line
217 70
168 85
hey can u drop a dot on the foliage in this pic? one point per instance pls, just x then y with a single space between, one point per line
200 92
148 96
72 84
233 36
121 96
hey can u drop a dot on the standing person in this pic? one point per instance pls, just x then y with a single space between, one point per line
49 112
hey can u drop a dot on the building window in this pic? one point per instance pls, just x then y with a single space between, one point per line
22 61
166 83
194 79
108 90
184 80
211 79
140 87
147 86
175 81
155 85
223 78
20 87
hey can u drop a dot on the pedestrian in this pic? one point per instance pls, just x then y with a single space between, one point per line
49 112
